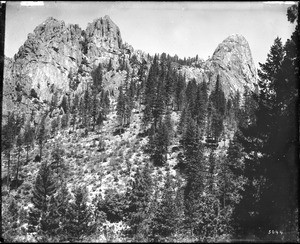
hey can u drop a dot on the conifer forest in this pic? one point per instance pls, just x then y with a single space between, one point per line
101 142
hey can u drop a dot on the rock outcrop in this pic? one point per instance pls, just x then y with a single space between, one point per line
47 57
56 55
232 62
102 35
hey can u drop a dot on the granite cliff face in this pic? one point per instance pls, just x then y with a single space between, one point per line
232 60
102 35
46 63
56 55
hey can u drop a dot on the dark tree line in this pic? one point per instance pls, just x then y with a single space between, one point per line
270 198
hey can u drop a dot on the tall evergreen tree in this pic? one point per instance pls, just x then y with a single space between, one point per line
56 155
74 110
79 217
86 103
121 108
158 145
42 134
61 205
44 188
10 220
138 198
179 92
269 165
152 97
19 144
9 132
28 137
163 224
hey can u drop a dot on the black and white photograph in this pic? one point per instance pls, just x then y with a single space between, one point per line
172 122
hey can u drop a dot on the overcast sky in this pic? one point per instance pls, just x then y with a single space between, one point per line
182 28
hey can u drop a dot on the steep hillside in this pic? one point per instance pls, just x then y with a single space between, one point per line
115 120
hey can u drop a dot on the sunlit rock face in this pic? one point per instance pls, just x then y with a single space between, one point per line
56 55
44 61
52 54
232 60
102 35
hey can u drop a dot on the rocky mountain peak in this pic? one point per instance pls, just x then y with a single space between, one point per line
49 27
103 33
233 61
233 49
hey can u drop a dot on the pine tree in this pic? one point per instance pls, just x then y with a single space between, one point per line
19 144
200 108
28 137
193 168
49 223
7 142
168 122
169 85
158 145
129 98
44 188
138 199
95 108
152 97
74 110
56 155
86 107
64 121
79 216
105 102
10 216
179 92
61 205
267 166
54 125
54 101
211 172
216 125
163 224
192 147
97 76
217 109
191 94
42 134
179 206
121 106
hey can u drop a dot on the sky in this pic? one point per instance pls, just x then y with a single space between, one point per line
183 28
